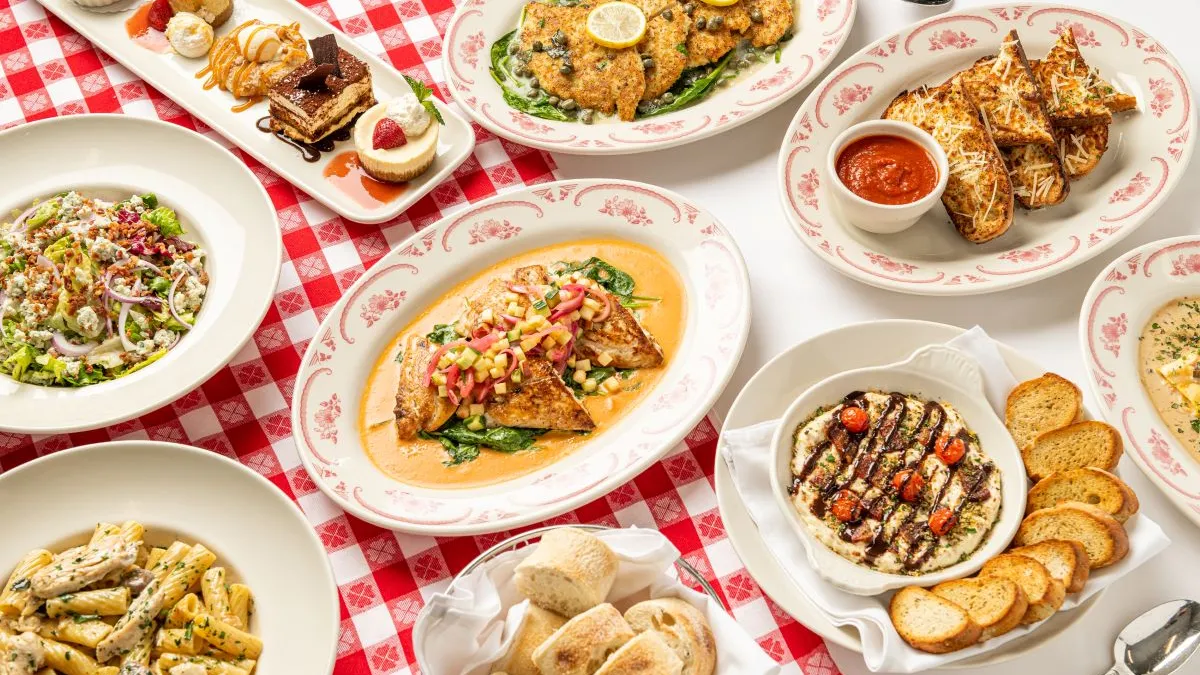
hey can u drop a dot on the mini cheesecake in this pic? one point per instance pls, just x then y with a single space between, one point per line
395 164
307 108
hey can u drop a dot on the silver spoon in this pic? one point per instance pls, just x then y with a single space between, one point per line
1159 641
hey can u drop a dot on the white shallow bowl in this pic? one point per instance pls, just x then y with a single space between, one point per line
885 218
335 368
1119 303
821 28
927 375
768 394
223 207
1149 149
260 537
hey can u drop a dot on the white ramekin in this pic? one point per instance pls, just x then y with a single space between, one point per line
885 218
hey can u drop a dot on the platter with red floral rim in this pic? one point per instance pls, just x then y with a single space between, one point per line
1140 329
536 419
1148 148
487 81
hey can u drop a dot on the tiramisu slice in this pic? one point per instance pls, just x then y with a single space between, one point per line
321 96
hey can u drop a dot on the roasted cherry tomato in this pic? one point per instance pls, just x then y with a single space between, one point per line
846 506
950 450
854 419
942 521
908 483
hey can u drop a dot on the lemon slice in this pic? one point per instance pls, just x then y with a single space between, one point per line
616 25
720 3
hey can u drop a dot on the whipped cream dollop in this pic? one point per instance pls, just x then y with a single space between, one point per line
260 43
409 113
189 35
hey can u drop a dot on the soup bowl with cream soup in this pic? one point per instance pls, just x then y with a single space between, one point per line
522 358
1140 331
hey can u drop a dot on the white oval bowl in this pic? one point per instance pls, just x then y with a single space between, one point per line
927 375
198 496
822 27
335 368
1119 303
1149 150
223 207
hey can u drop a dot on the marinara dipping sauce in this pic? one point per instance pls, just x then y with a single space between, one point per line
887 169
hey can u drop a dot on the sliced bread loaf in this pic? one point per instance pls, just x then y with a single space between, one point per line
995 603
538 625
1101 535
584 643
1090 443
683 627
646 654
1044 593
931 623
1066 561
1087 485
568 573
1044 404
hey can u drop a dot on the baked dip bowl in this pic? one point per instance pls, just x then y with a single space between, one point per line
898 475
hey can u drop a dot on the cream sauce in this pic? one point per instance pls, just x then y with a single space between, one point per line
420 462
1171 333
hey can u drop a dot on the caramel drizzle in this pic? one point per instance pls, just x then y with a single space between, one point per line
229 65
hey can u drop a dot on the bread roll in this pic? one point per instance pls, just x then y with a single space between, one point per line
646 654
582 645
538 625
569 572
682 627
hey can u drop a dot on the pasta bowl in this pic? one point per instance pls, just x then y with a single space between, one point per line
195 496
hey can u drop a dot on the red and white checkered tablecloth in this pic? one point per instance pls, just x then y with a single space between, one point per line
243 411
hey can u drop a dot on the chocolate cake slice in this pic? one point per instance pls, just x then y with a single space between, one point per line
320 97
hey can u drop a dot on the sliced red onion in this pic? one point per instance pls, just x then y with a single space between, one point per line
19 223
150 266
125 341
147 300
171 302
46 263
108 328
68 348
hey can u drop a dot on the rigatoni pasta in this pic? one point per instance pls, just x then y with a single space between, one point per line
116 605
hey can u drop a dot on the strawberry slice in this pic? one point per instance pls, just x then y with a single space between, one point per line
388 134
160 14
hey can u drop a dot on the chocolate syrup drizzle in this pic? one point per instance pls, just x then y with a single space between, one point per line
862 454
311 152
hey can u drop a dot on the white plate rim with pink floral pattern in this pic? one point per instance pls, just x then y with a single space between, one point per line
1119 303
1148 152
821 29
363 323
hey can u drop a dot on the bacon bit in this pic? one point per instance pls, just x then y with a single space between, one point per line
942 521
854 419
846 506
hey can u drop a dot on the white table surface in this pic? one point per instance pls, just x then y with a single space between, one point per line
796 295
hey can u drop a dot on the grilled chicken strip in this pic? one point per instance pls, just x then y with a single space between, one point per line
82 566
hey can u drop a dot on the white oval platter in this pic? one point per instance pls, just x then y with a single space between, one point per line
335 368
1148 151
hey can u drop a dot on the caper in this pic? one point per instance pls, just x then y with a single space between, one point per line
668 15
587 116
566 69
701 23
538 46
688 8
553 100
568 104
513 47
756 15
559 38
644 107
668 97
716 22
771 49
647 62
535 84
787 36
